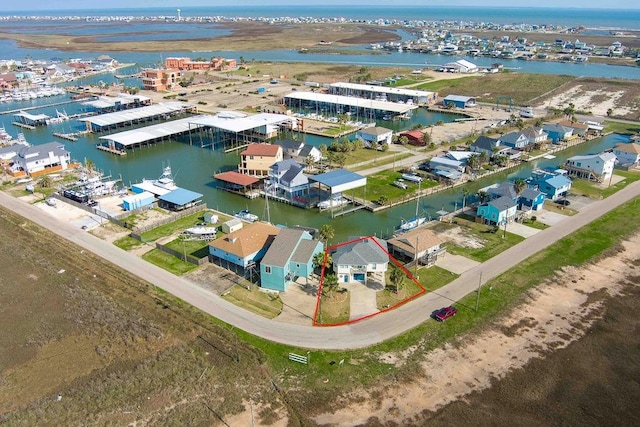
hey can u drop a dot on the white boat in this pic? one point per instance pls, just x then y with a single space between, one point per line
4 136
335 201
400 184
412 177
246 215
413 223
201 230
527 113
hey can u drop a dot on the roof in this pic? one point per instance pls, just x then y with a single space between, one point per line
180 197
149 133
234 121
307 149
382 89
485 142
606 156
134 114
366 250
375 130
554 127
417 240
458 98
38 152
289 144
558 181
445 161
511 137
502 203
413 134
574 125
631 148
236 178
507 189
305 251
336 177
283 247
351 101
248 240
31 117
530 193
270 150
112 101
459 155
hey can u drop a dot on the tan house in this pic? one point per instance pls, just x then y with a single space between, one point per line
245 246
420 244
215 64
257 159
159 79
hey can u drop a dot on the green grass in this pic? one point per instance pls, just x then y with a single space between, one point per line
261 303
594 191
335 308
617 127
168 262
380 161
535 224
173 227
438 85
434 277
196 248
380 184
127 243
388 298
363 155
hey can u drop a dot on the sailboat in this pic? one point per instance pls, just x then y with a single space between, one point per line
417 220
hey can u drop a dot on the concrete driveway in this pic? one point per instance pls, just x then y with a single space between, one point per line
456 263
521 229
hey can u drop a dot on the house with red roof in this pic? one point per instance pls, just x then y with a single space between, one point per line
257 159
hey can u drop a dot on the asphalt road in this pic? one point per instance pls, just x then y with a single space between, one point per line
358 335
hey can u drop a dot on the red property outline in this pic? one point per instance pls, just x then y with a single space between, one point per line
391 258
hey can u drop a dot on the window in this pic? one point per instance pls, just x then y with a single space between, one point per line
267 269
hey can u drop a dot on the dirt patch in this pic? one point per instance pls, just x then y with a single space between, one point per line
458 237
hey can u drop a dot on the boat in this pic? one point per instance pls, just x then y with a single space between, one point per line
412 177
526 112
201 230
417 220
246 215
4 136
333 202
400 184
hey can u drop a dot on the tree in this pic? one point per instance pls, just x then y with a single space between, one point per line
326 233
319 260
519 185
609 112
330 284
309 162
382 200
396 277
403 140
89 165
45 181
340 159
426 139
465 193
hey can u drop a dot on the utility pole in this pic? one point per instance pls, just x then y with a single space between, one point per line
478 295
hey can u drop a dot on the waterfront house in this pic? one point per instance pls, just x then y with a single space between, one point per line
535 135
503 189
515 139
287 180
288 258
486 144
257 159
159 80
594 167
460 66
628 154
446 167
553 185
414 137
420 244
290 147
459 101
531 200
497 211
556 132
38 159
309 151
375 136
246 246
353 261
579 129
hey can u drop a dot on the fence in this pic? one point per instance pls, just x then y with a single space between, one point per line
171 218
181 255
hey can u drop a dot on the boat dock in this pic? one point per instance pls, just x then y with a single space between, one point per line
111 150
67 136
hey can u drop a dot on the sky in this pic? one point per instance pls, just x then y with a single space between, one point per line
37 5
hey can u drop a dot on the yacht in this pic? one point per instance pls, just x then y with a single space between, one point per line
246 215
335 201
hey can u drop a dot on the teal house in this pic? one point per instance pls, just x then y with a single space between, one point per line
498 211
289 257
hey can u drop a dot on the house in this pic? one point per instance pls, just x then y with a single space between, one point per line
556 132
287 180
288 258
214 64
445 164
517 140
459 101
246 246
418 244
497 211
414 137
460 66
257 159
375 136
355 260
491 146
535 135
504 189
179 199
309 151
579 129
553 185
628 154
594 167
531 200
159 80
290 147
38 159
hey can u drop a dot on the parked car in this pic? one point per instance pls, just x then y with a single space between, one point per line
444 313
563 202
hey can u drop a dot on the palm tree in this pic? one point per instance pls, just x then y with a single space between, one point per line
45 181
396 277
426 139
330 284
89 165
319 260
519 185
326 233
309 162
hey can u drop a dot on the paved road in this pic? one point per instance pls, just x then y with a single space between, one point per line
358 335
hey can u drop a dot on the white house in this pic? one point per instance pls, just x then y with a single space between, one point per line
354 260
596 167
627 154
32 159
375 136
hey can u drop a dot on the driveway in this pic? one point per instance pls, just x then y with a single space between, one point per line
521 229
456 263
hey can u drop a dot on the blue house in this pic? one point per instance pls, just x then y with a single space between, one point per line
491 146
289 257
498 211
531 199
245 246
287 180
553 186
556 132
514 140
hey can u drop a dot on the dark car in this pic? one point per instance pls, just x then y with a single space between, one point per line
444 313
563 202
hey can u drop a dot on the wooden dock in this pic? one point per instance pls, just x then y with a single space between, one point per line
23 125
67 136
111 150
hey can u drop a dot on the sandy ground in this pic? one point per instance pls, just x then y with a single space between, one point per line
553 315
584 100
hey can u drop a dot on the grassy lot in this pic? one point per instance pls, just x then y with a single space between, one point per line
520 87
619 127
196 248
554 207
388 297
380 161
335 308
535 224
380 184
595 191
168 262
252 299
494 240
434 277
173 227
127 243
